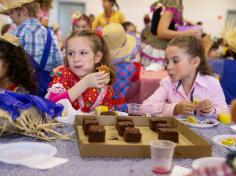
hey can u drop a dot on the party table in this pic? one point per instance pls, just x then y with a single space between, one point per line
77 166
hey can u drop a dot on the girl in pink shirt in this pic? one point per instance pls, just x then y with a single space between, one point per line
189 88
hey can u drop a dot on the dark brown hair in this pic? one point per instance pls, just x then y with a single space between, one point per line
45 4
98 44
113 2
194 48
19 69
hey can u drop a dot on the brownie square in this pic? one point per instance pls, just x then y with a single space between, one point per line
85 118
122 125
132 135
153 121
88 123
162 125
123 119
168 134
96 133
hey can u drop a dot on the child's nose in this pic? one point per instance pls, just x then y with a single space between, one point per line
76 58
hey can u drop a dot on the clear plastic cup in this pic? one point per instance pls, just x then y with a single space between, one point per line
135 109
225 117
162 155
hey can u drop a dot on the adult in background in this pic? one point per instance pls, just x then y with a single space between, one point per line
167 23
109 15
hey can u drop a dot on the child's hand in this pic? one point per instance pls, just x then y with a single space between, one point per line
97 79
184 107
195 32
205 106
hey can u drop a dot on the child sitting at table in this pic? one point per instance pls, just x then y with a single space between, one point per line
16 73
189 88
79 80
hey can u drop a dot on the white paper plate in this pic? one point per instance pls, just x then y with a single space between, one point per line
207 162
217 139
24 152
182 118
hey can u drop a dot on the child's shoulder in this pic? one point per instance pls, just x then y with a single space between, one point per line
209 81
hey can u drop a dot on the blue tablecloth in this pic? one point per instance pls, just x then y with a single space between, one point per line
77 166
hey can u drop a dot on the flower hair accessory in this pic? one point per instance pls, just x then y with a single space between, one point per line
99 33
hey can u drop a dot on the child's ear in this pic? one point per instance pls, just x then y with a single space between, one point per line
197 61
98 57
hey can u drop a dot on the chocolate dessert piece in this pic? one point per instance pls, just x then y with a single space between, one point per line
168 134
132 135
153 121
122 125
96 133
88 123
88 118
123 119
162 125
108 113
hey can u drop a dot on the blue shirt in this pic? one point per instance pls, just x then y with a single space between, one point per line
33 36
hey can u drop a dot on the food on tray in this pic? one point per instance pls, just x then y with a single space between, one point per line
168 134
96 133
228 141
132 135
162 125
106 69
123 119
153 121
122 125
192 119
88 123
108 113
85 118
100 109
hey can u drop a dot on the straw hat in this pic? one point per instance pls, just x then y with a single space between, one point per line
12 4
120 43
8 37
229 35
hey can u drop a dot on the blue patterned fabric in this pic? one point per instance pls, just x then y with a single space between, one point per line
228 81
126 73
13 102
33 37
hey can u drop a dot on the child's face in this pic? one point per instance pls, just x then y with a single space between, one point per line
3 70
81 58
180 65
81 25
131 29
15 16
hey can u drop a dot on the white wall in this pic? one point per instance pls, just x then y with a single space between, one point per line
194 10
206 11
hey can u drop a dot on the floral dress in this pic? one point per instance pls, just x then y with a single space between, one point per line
64 79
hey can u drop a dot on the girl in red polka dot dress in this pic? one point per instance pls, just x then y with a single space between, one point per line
79 81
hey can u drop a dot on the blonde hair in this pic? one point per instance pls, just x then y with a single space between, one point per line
98 44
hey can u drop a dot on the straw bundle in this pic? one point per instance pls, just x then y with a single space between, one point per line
30 123
229 35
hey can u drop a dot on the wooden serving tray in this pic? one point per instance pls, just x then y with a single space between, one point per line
190 145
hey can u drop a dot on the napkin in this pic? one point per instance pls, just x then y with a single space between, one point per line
180 171
42 161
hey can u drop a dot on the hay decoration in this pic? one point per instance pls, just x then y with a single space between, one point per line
229 35
31 123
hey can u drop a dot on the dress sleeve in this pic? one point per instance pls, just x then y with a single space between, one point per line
122 17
